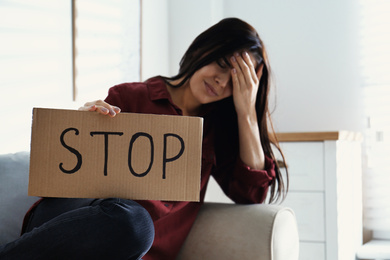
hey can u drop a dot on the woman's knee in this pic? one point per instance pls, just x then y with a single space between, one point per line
132 223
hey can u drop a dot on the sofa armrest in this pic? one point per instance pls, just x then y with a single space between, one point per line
231 231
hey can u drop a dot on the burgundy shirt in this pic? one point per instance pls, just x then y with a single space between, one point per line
173 220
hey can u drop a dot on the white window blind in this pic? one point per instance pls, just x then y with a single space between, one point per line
107 45
375 42
35 64
36 57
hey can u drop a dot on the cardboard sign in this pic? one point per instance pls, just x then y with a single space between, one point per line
78 154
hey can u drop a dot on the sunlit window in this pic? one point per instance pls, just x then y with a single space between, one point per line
36 57
35 64
107 46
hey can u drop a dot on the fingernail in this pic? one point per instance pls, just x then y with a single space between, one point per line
237 54
117 109
246 53
234 70
104 110
112 112
233 59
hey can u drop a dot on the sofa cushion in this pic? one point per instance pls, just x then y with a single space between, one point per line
14 201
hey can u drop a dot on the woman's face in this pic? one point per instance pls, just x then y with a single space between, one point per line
213 82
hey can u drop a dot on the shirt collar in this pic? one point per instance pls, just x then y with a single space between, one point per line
158 89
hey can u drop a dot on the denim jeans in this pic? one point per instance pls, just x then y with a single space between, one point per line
84 229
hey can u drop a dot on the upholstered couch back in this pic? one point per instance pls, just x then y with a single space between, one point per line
14 201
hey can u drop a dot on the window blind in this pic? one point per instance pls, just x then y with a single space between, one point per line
35 64
375 43
107 46
36 57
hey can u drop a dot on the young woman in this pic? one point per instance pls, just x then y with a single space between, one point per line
224 78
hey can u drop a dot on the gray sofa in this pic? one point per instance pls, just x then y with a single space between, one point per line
221 231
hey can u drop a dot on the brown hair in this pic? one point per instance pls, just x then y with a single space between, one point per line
228 36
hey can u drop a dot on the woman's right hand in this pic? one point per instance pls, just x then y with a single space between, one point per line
101 107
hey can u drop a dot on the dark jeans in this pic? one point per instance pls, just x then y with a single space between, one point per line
84 229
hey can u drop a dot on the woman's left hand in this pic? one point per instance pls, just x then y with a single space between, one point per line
245 81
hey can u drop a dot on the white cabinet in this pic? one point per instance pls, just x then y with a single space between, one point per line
325 192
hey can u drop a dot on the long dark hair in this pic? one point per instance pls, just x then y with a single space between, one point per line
221 40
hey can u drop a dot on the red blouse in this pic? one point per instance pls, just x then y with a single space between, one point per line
173 220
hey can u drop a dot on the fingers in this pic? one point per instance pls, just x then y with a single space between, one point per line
245 81
250 66
244 68
235 81
240 68
101 107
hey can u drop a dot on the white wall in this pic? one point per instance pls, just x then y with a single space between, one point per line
187 19
155 49
313 51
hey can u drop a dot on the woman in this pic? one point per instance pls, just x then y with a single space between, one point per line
224 78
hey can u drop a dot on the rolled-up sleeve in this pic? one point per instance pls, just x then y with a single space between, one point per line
245 185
